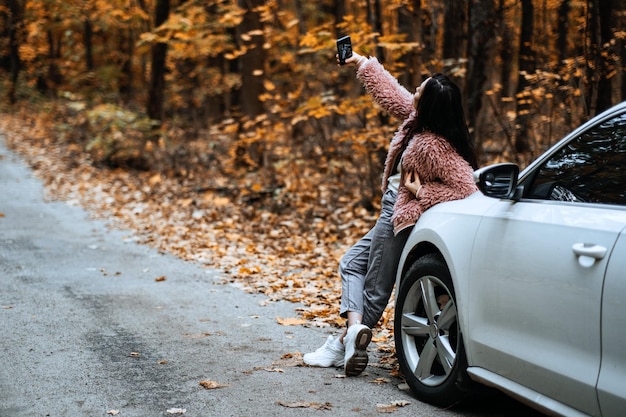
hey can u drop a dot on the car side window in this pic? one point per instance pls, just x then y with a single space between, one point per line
590 168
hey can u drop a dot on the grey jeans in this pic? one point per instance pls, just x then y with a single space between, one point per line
368 269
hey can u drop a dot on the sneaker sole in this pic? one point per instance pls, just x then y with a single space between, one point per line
358 362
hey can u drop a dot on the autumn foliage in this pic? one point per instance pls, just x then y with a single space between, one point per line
224 132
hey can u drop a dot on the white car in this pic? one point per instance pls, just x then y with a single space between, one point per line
522 286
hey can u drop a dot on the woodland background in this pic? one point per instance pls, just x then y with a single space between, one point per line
224 132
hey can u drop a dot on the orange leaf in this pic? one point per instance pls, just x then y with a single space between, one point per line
293 321
208 384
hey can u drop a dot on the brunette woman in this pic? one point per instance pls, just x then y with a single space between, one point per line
430 160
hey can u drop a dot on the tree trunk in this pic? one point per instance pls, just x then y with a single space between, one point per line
454 35
506 51
592 37
339 12
156 88
526 66
374 18
480 53
562 31
622 47
54 77
605 56
125 86
87 40
12 63
562 50
252 64
410 23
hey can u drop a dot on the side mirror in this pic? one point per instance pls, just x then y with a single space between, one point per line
498 181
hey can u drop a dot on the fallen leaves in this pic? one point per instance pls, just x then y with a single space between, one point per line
380 380
289 360
304 404
390 408
269 369
287 253
293 321
208 384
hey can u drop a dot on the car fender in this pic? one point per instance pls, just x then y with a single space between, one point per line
448 229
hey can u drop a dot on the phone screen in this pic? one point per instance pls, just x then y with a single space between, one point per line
344 49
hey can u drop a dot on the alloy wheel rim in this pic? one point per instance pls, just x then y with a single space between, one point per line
429 331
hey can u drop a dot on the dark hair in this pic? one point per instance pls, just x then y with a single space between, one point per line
440 111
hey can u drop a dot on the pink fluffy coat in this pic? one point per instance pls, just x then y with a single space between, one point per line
444 174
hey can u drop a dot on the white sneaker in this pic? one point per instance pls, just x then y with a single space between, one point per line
330 354
356 341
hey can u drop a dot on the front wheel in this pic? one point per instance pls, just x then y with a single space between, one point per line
428 338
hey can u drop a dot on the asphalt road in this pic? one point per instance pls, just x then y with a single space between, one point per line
88 329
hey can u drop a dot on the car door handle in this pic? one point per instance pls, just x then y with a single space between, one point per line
588 253
589 249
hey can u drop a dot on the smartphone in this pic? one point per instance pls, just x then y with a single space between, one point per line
344 49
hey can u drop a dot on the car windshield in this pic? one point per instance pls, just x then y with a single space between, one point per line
590 168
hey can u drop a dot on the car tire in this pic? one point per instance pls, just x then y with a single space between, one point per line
429 345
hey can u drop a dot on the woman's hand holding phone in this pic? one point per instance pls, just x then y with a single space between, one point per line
355 58
345 54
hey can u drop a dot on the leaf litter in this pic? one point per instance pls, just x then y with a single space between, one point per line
287 256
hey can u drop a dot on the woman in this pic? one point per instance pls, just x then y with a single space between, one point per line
430 160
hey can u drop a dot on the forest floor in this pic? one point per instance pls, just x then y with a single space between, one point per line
290 256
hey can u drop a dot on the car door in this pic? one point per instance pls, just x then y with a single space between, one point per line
538 269
611 386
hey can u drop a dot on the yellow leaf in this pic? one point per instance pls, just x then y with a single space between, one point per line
293 321
154 180
208 384
269 86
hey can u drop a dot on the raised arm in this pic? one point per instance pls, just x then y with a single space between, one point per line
383 87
